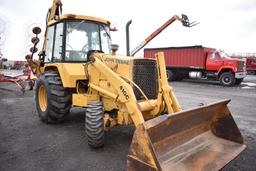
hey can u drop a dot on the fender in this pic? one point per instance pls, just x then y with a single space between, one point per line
233 69
69 72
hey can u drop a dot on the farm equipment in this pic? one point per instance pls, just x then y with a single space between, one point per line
77 68
19 79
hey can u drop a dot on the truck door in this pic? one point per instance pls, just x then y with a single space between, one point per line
214 61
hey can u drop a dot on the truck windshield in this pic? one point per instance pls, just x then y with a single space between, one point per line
83 36
225 55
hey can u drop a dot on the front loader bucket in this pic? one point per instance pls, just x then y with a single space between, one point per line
202 138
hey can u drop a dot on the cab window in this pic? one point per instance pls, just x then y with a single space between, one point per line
215 55
72 40
57 53
49 45
54 43
80 38
105 39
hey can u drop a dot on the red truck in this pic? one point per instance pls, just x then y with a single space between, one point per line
201 63
250 59
251 65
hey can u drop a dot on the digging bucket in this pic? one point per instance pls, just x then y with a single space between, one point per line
202 138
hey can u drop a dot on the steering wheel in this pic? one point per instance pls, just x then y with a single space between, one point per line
85 50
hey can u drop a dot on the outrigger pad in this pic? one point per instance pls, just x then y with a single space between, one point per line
202 138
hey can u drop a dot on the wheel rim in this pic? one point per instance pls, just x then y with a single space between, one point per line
42 98
227 80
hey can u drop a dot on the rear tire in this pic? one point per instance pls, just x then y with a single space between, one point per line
94 124
227 79
174 75
53 101
170 75
178 78
239 81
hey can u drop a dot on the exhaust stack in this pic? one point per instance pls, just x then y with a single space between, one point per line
128 37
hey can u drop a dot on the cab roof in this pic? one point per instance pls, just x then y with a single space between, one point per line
79 17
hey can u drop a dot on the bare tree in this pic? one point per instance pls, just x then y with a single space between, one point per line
2 33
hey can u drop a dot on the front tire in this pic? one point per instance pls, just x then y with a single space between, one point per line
227 79
53 101
94 124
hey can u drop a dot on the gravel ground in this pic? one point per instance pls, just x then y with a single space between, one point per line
28 144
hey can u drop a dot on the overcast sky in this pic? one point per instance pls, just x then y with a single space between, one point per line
224 24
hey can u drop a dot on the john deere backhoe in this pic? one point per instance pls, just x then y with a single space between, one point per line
78 67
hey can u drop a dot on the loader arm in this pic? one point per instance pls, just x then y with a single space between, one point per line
125 95
125 92
168 94
203 138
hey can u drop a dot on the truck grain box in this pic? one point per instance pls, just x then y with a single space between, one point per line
201 63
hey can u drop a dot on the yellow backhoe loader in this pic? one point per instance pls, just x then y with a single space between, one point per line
78 67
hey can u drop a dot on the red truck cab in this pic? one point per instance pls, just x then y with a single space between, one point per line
251 65
201 63
250 59
220 62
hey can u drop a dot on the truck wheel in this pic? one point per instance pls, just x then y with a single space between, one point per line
53 102
94 124
239 81
177 76
169 75
227 79
174 76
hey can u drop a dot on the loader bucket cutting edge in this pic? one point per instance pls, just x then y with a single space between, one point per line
202 138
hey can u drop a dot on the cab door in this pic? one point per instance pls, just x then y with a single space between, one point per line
214 61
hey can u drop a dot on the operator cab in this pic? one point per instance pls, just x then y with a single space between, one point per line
71 38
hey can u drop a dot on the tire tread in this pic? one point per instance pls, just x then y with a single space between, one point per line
94 124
